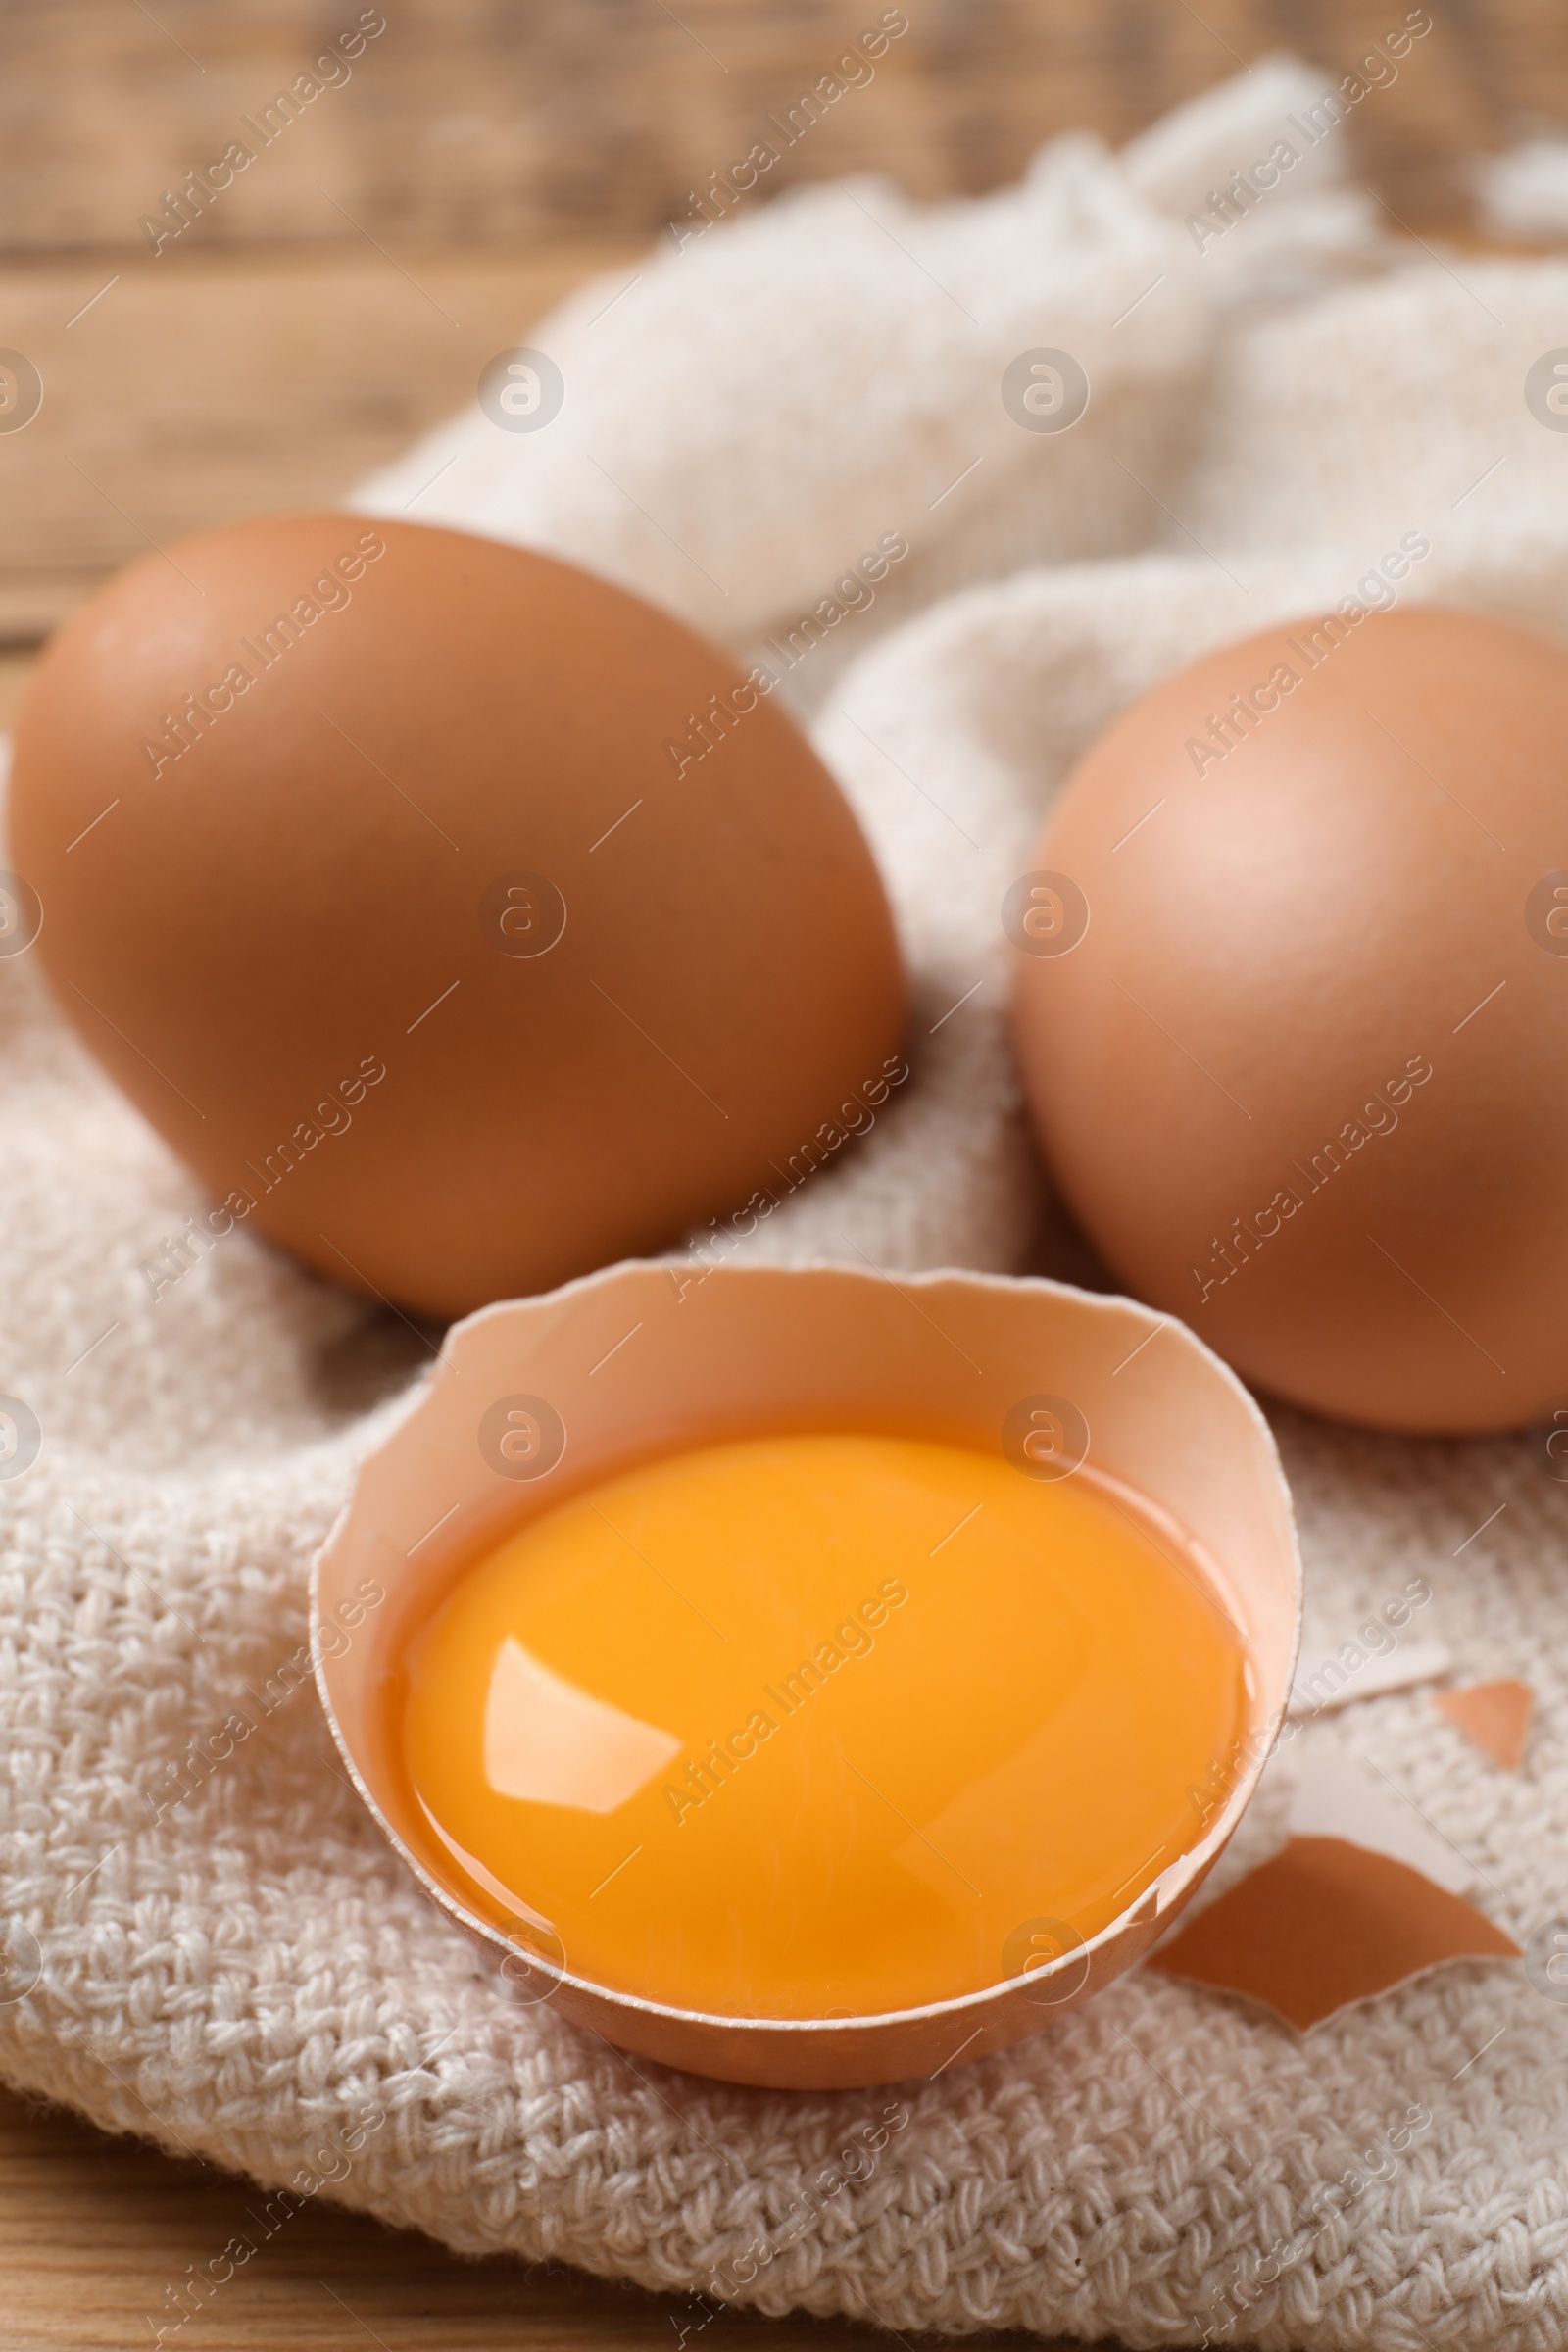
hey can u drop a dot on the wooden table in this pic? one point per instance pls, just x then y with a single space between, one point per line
93 2231
477 165
346 292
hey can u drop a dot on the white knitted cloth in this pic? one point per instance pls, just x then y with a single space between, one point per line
249 1972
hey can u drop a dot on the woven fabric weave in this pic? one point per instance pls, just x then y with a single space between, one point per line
228 1958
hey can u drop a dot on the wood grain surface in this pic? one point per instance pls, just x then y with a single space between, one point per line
349 286
342 296
232 383
463 123
97 2234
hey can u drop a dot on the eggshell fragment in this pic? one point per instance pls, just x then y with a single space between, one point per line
1494 1715
1325 1924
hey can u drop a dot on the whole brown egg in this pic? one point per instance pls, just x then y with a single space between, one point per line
464 921
1292 1010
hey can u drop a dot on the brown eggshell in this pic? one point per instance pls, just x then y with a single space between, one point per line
1299 1058
767 1348
694 969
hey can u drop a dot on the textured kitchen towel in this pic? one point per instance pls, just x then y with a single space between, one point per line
210 1943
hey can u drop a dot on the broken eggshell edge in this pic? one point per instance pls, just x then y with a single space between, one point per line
647 1359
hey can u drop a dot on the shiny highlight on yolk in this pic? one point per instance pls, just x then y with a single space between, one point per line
800 1725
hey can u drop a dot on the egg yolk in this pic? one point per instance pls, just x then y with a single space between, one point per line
805 1725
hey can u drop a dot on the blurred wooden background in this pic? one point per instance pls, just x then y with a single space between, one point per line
340 297
471 124
346 290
